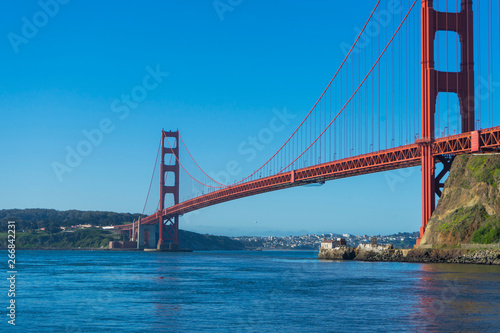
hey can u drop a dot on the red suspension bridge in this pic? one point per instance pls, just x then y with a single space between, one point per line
378 113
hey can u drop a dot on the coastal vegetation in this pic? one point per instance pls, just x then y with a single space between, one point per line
34 219
74 239
469 209
94 238
42 229
464 228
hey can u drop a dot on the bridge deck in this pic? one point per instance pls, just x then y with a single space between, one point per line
389 159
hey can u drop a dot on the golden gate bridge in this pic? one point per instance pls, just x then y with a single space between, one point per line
379 112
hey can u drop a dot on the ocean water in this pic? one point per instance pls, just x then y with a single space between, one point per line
268 291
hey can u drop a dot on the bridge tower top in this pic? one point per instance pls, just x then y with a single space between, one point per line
433 81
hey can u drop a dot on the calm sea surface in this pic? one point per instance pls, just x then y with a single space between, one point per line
268 291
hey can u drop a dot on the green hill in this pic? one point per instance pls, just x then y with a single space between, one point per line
29 221
98 238
469 208
74 239
199 242
33 219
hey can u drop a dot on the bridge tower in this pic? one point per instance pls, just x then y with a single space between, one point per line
169 226
434 82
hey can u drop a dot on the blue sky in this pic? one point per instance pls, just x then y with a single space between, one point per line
225 78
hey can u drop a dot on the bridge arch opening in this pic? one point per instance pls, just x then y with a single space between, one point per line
169 179
170 160
447 117
447 55
170 142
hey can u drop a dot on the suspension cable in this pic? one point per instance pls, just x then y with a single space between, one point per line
182 166
359 86
197 163
314 106
152 177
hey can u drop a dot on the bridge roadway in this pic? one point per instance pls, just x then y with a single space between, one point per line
395 158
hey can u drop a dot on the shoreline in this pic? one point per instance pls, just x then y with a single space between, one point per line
134 249
60 249
416 255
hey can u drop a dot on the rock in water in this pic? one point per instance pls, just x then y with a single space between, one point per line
342 252
370 252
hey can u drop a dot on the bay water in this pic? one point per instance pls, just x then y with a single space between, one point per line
241 291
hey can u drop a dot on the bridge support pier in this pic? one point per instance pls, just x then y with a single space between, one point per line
170 234
147 236
138 232
434 82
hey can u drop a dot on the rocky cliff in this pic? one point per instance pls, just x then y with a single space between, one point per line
339 253
469 208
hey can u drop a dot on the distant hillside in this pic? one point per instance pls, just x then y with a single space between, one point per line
32 219
99 239
469 208
74 239
199 242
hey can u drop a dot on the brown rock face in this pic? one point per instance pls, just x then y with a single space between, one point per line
370 251
469 208
339 253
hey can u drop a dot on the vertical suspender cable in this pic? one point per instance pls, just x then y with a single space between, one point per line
479 59
152 177
385 92
408 83
447 77
490 61
379 93
458 65
373 98
436 67
393 127
360 84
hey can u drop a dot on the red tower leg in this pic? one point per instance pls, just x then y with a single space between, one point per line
433 82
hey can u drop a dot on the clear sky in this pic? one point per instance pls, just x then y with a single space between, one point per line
217 78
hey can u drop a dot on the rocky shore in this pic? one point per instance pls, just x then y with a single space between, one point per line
368 252
339 253
457 256
464 228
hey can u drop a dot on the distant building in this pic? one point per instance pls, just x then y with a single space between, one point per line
331 244
327 244
81 226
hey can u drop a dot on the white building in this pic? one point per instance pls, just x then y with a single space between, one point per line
331 244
